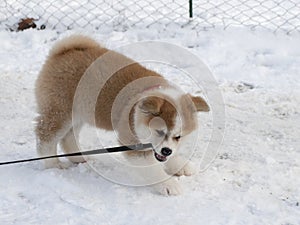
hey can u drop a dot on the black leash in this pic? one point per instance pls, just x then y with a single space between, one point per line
91 152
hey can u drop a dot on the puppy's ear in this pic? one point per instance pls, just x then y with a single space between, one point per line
200 103
151 105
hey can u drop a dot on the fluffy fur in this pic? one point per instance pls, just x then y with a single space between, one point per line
148 111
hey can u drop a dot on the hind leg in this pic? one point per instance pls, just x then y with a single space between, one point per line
49 130
48 149
69 144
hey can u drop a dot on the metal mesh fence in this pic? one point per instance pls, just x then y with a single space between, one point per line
274 15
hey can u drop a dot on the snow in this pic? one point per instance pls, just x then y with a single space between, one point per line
253 180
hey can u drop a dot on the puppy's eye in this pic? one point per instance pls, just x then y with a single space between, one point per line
156 114
160 133
177 138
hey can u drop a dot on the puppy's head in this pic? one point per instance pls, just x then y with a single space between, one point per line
165 121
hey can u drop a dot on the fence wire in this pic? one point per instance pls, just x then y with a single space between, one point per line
274 15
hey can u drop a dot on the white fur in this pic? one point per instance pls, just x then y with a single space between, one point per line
168 186
179 166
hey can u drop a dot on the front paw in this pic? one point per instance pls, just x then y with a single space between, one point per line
189 169
170 187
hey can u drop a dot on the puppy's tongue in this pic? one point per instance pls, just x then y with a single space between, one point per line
159 157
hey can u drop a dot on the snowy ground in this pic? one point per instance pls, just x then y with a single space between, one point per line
254 179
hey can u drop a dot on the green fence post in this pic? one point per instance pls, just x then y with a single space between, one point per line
191 8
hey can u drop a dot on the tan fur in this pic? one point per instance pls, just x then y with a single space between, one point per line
58 80
199 103
166 109
119 106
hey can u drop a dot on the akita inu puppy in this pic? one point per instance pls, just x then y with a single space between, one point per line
151 110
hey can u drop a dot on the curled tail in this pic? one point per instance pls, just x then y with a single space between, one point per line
74 42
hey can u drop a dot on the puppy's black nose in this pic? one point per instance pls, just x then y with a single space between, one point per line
166 151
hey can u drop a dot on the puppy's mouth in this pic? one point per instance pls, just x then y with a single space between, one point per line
159 157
